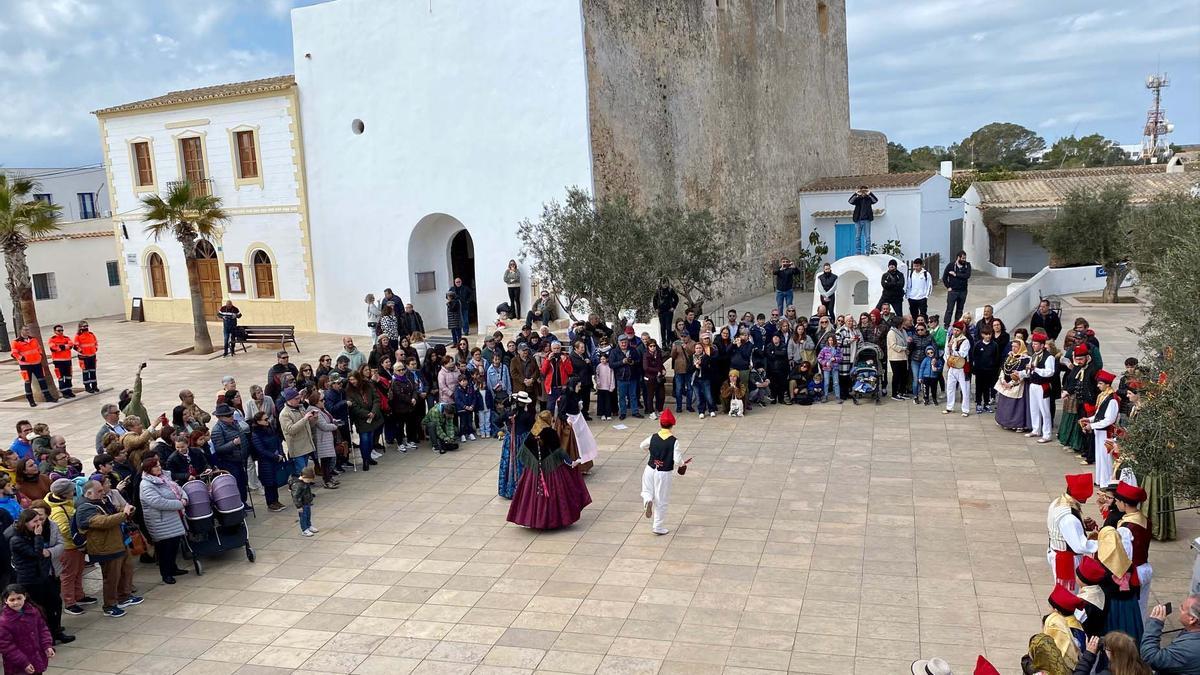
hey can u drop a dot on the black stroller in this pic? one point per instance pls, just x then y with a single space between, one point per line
215 519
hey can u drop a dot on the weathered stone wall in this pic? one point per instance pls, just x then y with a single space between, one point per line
730 104
868 152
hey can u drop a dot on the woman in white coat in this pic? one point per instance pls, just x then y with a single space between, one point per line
1101 424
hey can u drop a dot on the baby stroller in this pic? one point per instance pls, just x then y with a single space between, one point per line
865 374
215 518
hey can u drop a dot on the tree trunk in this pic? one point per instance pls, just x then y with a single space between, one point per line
21 289
202 342
1112 282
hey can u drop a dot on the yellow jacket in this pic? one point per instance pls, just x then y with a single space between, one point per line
61 512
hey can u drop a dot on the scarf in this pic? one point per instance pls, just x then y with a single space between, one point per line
1112 554
1045 657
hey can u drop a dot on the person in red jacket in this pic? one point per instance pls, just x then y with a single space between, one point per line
555 371
27 352
85 344
60 355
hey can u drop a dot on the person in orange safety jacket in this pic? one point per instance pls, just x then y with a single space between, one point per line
61 348
28 353
85 344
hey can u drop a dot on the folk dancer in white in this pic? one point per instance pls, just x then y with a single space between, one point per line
1101 424
1067 535
958 348
666 452
1041 372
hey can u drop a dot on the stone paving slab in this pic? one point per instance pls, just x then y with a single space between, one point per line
823 539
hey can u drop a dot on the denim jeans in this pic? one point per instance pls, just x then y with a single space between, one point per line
782 300
832 383
229 345
702 391
455 335
627 396
298 464
366 442
862 236
914 367
305 517
683 393
465 313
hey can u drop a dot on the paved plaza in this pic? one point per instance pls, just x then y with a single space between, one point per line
825 539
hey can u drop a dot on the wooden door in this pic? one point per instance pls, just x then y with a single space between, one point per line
843 240
210 286
193 160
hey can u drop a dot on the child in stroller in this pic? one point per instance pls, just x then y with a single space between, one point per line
865 374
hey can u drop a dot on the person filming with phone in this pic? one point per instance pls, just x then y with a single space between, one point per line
1182 656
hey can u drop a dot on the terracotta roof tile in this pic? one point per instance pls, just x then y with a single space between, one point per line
1045 189
217 91
874 181
843 213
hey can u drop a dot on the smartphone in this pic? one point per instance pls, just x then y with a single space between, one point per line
143 364
1169 608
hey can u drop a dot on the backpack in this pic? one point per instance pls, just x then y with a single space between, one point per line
78 538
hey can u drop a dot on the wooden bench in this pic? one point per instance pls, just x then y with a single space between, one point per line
267 335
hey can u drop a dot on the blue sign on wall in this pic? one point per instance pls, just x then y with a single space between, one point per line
1100 272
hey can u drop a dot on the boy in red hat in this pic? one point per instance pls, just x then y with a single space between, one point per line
1041 373
1062 625
666 451
1101 423
1067 534
1090 574
1128 499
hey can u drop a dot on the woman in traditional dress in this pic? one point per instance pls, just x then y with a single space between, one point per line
1120 596
1012 405
1101 424
568 405
550 493
516 429
1079 386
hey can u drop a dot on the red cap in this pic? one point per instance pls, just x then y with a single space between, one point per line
985 667
1079 486
1064 600
1081 350
1039 335
1091 571
1130 493
667 418
959 325
1105 376
629 330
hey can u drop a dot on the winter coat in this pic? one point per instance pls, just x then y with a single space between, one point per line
29 565
498 375
296 431
267 449
183 467
61 513
302 493
453 313
24 639
226 451
897 345
324 428
916 349
522 368
624 372
411 322
1181 657
362 404
829 358
335 404
893 285
957 281
442 424
862 206
653 365
985 356
447 381
605 380
162 507
775 360
741 357
467 397
556 373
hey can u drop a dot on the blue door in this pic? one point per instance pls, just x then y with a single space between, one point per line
843 240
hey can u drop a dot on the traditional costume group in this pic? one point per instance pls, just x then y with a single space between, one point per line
665 454
550 493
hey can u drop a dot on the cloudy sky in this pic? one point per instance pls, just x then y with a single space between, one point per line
923 71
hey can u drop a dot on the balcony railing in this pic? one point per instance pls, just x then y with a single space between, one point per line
200 188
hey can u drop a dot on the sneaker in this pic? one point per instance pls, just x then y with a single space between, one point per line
1031 434
276 507
462 439
404 449
306 533
896 397
375 454
965 415
313 529
114 612
411 445
87 600
978 410
130 601
701 415
63 638
73 610
712 413
471 437
916 401
653 416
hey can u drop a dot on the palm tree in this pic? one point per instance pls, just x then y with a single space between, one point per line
23 216
189 216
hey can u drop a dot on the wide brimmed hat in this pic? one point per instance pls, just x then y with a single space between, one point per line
523 397
931 667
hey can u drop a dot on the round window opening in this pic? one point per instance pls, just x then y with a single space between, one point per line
357 126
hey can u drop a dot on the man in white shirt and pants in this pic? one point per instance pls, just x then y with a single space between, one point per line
918 288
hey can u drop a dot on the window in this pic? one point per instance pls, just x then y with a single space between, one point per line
781 14
43 198
264 277
158 276
43 286
143 169
87 206
246 156
426 281
114 274
193 160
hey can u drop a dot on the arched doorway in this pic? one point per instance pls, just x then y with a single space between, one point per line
209 274
439 248
462 265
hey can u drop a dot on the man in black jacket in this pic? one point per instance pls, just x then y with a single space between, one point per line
582 370
411 321
465 296
893 289
863 200
785 280
665 302
955 278
1046 319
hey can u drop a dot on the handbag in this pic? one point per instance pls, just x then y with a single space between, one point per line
956 361
137 542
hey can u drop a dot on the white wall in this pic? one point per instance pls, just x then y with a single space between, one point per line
474 110
80 272
850 271
976 238
64 185
1023 254
1015 308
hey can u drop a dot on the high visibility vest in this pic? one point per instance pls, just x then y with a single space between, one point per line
26 352
86 343
60 347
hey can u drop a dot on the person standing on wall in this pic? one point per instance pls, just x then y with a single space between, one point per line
512 279
827 288
863 199
918 288
229 314
665 301
27 352
60 355
955 278
466 296
785 281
